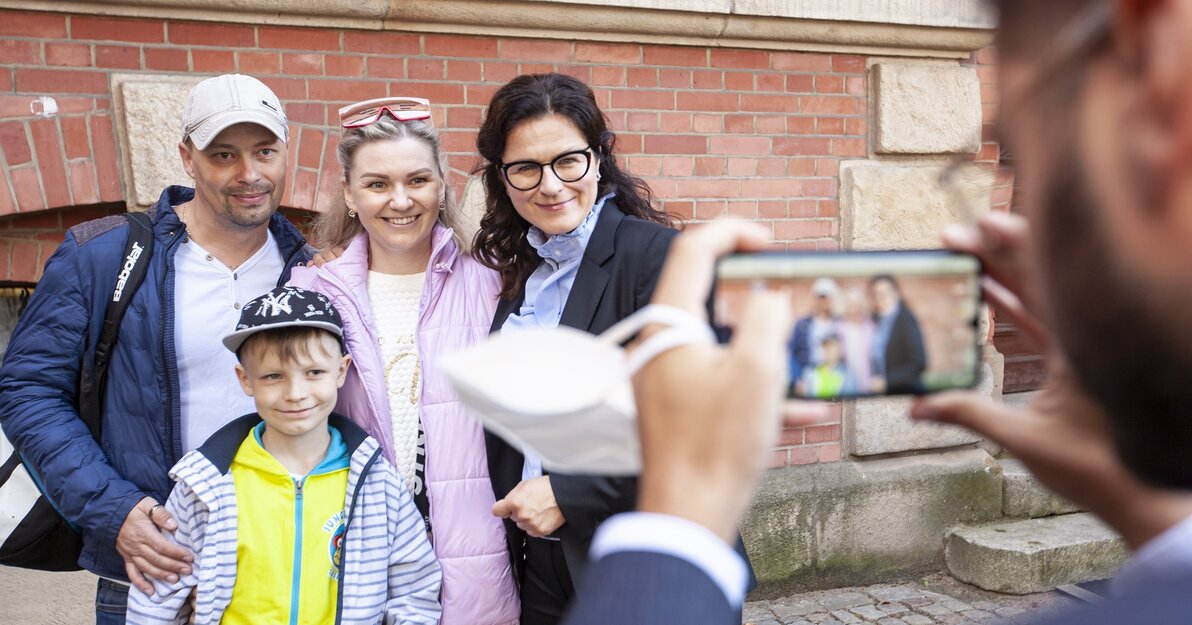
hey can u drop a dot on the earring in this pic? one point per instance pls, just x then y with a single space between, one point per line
351 213
442 205
597 176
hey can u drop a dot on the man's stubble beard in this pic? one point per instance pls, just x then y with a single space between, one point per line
1126 339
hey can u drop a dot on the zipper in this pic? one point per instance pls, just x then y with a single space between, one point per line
173 400
343 561
296 577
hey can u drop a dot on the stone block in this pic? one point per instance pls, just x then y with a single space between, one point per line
882 425
149 126
926 108
1024 496
471 208
1034 555
899 206
859 522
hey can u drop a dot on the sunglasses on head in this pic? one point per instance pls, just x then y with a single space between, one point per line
369 111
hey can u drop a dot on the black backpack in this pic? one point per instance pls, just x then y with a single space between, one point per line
32 533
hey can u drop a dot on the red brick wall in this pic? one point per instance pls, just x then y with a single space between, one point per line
714 131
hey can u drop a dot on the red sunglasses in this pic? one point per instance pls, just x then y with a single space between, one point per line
369 111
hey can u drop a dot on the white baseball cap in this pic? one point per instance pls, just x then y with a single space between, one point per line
824 287
223 101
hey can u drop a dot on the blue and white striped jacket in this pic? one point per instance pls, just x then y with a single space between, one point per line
390 574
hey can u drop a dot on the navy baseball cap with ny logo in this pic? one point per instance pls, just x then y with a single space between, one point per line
285 307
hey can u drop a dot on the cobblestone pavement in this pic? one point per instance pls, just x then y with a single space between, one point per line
936 600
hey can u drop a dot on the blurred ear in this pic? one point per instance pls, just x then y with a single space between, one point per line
343 186
242 377
343 370
184 149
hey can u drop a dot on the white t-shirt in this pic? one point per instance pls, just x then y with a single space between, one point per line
207 301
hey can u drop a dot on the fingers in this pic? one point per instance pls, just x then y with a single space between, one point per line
144 548
173 556
758 351
1006 301
1001 241
134 576
1002 230
506 509
1008 427
157 556
162 518
687 275
761 335
149 566
804 413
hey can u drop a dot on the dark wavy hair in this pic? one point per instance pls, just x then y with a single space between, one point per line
501 242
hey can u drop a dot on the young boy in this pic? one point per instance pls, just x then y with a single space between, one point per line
292 513
830 378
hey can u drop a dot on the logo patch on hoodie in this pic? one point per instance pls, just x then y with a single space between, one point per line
335 527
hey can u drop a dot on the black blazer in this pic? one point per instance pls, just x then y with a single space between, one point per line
906 357
616 277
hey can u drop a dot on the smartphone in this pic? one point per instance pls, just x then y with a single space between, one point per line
867 323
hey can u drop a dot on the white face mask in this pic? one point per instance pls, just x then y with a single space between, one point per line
566 395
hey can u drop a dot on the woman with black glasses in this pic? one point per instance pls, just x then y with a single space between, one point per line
577 242
408 292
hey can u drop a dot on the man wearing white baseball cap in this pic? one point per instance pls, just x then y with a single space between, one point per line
170 383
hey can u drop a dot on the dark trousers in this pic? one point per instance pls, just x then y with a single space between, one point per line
111 602
546 586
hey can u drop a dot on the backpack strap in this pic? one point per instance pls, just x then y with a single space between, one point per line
134 264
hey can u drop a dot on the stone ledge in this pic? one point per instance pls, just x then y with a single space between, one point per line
923 29
857 522
1025 497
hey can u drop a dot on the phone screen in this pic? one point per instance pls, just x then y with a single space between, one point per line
867 323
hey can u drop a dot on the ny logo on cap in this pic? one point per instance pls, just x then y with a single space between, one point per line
275 304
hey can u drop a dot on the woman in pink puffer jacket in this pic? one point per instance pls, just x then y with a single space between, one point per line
409 293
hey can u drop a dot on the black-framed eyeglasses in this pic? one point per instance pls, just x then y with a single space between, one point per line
568 167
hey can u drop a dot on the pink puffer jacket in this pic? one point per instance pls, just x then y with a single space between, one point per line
456 311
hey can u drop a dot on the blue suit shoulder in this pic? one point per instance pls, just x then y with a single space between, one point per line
639 588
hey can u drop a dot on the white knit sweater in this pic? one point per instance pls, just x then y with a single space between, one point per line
395 303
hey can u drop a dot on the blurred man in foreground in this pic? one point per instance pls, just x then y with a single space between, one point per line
1097 109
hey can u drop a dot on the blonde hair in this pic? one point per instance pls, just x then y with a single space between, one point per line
334 227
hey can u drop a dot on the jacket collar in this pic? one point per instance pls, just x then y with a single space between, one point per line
603 242
221 448
352 265
590 281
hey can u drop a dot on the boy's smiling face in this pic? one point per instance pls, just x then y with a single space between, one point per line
294 395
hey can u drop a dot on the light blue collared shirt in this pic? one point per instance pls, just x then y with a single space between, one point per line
550 284
549 287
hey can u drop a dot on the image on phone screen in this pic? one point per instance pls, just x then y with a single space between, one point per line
866 323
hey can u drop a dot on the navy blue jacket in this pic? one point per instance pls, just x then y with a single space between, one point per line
96 485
